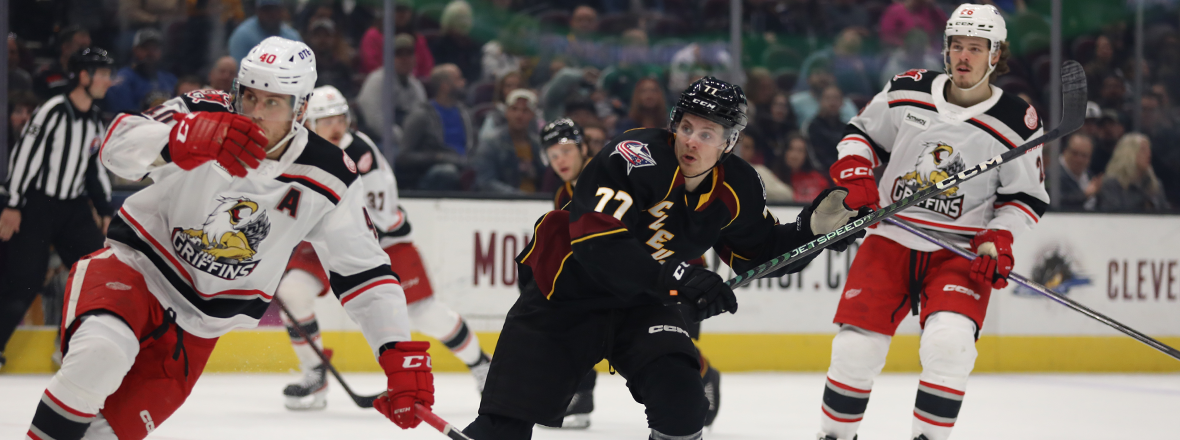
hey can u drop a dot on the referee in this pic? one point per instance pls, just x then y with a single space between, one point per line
53 177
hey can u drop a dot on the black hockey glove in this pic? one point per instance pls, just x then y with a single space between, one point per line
698 287
829 213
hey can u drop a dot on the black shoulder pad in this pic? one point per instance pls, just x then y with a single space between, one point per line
208 100
327 156
1017 114
918 80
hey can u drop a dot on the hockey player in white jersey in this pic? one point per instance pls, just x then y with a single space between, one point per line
924 127
328 116
201 251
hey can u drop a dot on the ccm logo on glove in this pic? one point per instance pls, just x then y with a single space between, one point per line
416 361
858 171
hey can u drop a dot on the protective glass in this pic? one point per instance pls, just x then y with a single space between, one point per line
565 150
707 134
264 106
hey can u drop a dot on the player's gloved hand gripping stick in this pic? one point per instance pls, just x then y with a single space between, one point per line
1073 99
1037 287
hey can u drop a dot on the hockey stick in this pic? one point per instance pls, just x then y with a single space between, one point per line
1073 99
361 401
438 423
1041 289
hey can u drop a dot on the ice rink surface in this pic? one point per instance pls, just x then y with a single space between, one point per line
754 406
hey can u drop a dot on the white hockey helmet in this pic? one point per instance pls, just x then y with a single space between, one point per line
971 20
279 65
326 101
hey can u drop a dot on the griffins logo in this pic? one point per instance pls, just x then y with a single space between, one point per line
937 162
226 244
1057 270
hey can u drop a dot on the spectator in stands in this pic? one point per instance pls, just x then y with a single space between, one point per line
408 92
568 84
826 129
222 74
266 22
797 170
509 161
581 45
649 108
454 45
373 42
900 17
843 14
185 84
1079 189
771 128
438 135
760 89
595 138
914 54
494 120
53 79
855 74
333 57
776 190
142 82
1113 94
21 104
1130 185
695 61
1102 64
805 103
18 77
582 112
1165 154
1111 130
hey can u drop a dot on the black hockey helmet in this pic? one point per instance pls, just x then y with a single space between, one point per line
715 100
561 130
88 59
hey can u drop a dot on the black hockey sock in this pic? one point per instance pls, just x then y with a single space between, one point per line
311 328
55 421
937 405
844 403
456 342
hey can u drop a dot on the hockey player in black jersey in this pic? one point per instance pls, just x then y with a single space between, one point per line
566 152
598 281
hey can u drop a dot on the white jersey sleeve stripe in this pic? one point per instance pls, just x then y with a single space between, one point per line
348 296
1022 207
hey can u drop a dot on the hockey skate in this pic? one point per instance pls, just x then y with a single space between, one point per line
480 371
311 392
828 437
577 415
712 380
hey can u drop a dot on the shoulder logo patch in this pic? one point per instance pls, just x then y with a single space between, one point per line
914 74
211 96
1030 118
366 163
349 163
635 153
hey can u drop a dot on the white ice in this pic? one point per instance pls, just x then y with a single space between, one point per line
754 406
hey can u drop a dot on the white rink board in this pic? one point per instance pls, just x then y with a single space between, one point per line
468 247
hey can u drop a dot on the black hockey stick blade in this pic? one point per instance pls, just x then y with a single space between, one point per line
361 401
438 423
1041 289
1073 115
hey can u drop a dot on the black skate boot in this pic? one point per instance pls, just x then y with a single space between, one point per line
712 381
310 392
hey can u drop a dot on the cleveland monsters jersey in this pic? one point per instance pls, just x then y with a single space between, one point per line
214 247
921 139
380 195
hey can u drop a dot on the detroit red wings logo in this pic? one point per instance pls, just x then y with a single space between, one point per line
211 96
1030 118
635 153
914 74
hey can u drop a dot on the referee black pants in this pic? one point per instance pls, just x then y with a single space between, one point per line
68 225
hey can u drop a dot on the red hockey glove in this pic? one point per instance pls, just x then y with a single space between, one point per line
407 369
856 173
203 136
994 263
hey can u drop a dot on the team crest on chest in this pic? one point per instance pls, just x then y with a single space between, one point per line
635 153
226 244
937 162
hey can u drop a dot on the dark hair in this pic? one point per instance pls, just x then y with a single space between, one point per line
780 167
658 118
1002 65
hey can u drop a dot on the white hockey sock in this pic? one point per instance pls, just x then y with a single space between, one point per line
298 291
101 351
858 356
438 321
948 355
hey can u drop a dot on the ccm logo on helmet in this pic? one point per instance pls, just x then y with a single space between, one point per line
960 289
666 328
416 362
705 104
858 171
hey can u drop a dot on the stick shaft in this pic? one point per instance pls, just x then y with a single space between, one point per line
1041 289
362 401
438 423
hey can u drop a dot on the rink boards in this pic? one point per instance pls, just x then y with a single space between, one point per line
1125 266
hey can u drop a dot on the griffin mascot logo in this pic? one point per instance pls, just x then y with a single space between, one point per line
226 244
937 162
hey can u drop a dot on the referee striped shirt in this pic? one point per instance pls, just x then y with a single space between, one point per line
57 156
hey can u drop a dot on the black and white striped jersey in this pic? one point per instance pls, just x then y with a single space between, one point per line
56 156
